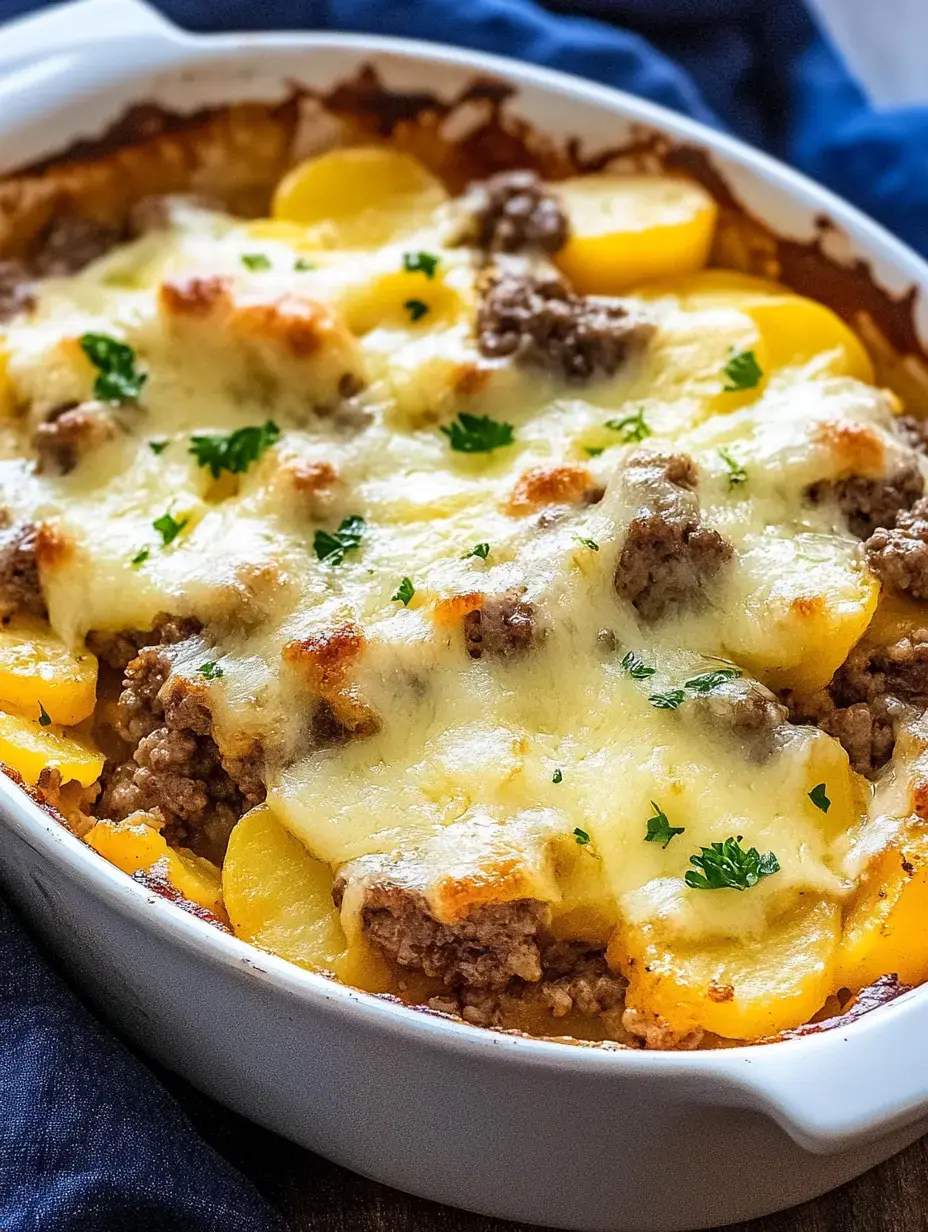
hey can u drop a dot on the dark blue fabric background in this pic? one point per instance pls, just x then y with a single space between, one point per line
89 1139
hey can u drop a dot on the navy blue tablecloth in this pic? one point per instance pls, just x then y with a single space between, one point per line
89 1139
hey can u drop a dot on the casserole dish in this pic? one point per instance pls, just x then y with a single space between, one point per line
556 1113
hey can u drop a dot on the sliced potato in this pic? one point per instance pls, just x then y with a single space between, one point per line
400 300
37 669
626 229
28 747
739 988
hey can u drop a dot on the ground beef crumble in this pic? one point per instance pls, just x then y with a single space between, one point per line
747 711
898 555
503 627
20 585
70 433
868 503
514 211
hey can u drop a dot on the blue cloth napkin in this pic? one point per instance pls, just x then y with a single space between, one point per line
89 1139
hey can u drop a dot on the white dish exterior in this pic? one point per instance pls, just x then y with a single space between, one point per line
570 1137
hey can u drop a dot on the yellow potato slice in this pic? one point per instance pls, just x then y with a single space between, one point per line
401 300
135 847
740 989
28 748
37 668
884 932
358 198
626 229
7 391
278 896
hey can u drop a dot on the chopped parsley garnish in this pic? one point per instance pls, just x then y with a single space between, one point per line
659 828
235 452
477 433
168 527
818 797
420 263
583 839
727 866
117 378
301 265
405 591
736 472
331 546
158 446
632 427
557 777
594 451
45 719
255 261
742 370
479 549
210 670
588 543
667 701
636 667
711 680
140 557
416 308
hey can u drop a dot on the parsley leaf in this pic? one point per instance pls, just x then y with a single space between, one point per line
331 546
557 777
479 549
235 452
420 263
736 472
818 797
477 433
659 828
632 427
140 557
583 839
168 528
405 591
255 261
158 446
743 371
45 719
635 666
727 866
210 670
301 265
593 451
416 308
711 680
588 543
667 701
117 379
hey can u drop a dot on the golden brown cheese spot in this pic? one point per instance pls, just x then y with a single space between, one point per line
494 882
471 379
193 297
53 547
300 327
450 611
324 659
857 448
541 486
810 606
307 485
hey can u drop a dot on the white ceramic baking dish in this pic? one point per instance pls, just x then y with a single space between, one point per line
570 1137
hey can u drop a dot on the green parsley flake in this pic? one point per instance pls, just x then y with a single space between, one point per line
557 777
588 543
659 828
331 546
667 701
593 451
158 446
635 666
256 261
709 681
301 265
168 527
632 427
404 592
583 839
45 719
477 433
416 308
117 378
479 549
736 472
743 371
210 670
140 557
818 797
235 452
420 263
727 866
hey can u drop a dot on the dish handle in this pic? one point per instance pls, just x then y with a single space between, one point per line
68 27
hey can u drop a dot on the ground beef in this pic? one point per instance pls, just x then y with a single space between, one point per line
68 434
899 555
20 586
485 950
514 211
69 243
576 977
746 710
15 290
868 695
668 555
505 626
868 503
540 322
914 432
